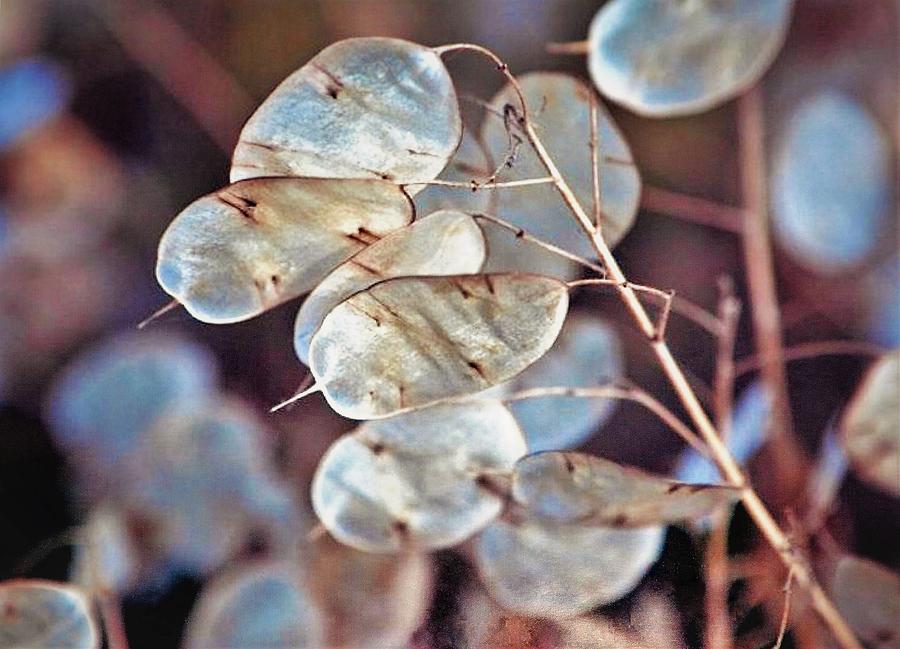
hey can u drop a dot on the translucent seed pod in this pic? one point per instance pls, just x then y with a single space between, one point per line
37 614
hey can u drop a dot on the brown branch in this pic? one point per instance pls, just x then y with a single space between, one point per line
726 463
814 349
595 162
571 47
692 209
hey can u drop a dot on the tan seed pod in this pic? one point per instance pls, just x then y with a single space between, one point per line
37 614
246 248
361 108
409 342
868 595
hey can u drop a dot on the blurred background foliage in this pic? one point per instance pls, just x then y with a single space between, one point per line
116 114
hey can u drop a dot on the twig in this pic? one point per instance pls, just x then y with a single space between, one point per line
663 319
760 267
721 455
626 393
718 631
692 209
111 611
474 185
571 47
595 162
814 349
521 233
786 612
219 104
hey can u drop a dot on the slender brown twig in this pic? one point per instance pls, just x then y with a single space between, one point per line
595 162
726 463
814 349
571 47
158 313
474 185
692 209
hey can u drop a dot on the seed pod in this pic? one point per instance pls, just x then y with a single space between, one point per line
37 614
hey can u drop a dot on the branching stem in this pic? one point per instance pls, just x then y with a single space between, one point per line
726 463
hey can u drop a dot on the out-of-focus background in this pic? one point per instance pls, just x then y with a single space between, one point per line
116 114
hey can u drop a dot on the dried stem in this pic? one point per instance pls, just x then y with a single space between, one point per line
521 233
625 393
571 47
692 209
473 185
718 631
111 611
726 463
761 269
595 162
786 612
813 349
158 313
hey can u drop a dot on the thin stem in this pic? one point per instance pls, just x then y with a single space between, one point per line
726 463
692 209
158 313
786 612
474 185
813 349
760 265
521 233
718 631
625 393
595 162
111 611
570 47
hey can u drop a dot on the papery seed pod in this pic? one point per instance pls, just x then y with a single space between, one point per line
37 614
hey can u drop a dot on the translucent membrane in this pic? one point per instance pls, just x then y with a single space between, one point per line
588 352
831 184
248 247
409 342
557 571
868 596
575 488
418 480
371 600
871 437
200 477
560 112
443 243
361 108
107 397
36 614
260 606
749 428
661 58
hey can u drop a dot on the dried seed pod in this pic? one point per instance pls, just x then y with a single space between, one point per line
361 108
868 595
412 341
560 111
575 488
370 600
443 243
252 245
588 352
871 425
560 571
831 184
664 59
37 614
422 479
261 606
104 400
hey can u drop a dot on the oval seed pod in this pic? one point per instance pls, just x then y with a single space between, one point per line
370 600
443 243
587 352
412 341
262 606
201 479
419 480
361 108
871 425
582 489
560 571
250 246
559 107
104 400
831 184
37 614
665 59
868 595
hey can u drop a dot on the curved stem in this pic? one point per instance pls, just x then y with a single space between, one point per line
629 393
474 185
726 463
814 349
